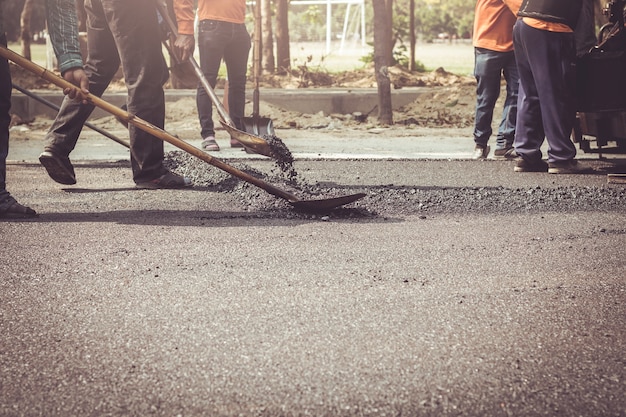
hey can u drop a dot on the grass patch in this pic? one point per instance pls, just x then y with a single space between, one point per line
457 58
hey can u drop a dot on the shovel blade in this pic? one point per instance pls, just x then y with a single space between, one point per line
316 206
251 142
259 126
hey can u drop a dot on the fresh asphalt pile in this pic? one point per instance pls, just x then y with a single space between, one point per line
282 155
393 200
252 198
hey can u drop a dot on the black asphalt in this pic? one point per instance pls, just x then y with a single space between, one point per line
124 302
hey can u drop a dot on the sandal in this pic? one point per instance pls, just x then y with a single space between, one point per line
209 144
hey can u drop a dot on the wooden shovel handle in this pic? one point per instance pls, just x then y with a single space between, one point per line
143 125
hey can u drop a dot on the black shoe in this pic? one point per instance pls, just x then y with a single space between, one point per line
18 211
59 168
568 167
523 165
167 180
505 153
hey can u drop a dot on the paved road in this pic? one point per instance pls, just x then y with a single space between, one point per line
123 302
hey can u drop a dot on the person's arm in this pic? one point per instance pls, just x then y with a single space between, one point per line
63 31
185 17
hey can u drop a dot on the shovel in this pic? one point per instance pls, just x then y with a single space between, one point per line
260 126
316 205
250 142
57 108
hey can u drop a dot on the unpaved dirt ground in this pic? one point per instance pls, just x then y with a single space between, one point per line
451 105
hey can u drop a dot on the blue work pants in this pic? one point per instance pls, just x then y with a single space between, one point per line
489 67
546 103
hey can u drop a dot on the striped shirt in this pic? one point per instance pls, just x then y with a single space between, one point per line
63 32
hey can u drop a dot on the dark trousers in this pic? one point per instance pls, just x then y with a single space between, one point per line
219 40
545 109
5 119
126 32
489 67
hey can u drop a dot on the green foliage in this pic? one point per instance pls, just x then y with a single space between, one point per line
432 17
308 22
400 57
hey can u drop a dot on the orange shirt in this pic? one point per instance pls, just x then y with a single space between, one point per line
493 24
549 26
233 11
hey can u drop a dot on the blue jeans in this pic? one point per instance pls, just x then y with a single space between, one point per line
219 40
489 66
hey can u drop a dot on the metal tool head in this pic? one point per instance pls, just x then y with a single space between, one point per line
326 204
258 126
250 142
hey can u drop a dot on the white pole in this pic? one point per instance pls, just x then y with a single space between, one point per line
363 23
328 25
345 28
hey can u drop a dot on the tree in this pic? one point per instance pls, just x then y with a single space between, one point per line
25 34
283 56
382 57
412 35
268 37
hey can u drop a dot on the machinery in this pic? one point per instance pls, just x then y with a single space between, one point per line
601 89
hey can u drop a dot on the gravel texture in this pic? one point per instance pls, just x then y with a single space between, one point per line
393 199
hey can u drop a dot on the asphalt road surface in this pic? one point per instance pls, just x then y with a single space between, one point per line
452 288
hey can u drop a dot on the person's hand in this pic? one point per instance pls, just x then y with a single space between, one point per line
184 46
78 77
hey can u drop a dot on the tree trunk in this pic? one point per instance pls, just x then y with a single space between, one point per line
382 58
269 64
283 57
389 30
27 12
412 35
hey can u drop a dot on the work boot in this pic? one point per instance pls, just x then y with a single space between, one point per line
59 168
568 167
18 211
522 165
167 180
505 153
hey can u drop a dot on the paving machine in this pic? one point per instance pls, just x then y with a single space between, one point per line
601 89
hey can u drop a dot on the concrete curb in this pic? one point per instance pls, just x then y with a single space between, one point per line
311 101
